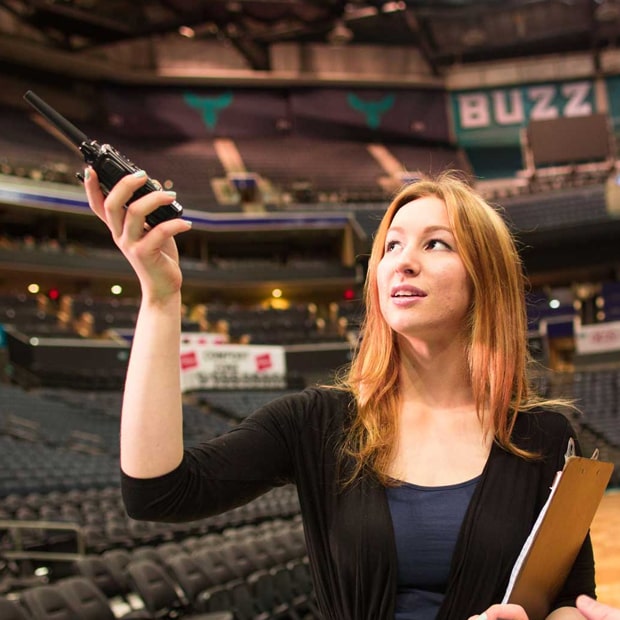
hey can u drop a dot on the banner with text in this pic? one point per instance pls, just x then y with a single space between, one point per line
232 366
598 338
494 117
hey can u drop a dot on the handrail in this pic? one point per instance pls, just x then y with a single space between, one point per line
14 527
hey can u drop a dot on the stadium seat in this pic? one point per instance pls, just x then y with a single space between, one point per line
12 610
300 598
245 604
193 580
112 582
48 601
212 563
263 587
159 593
87 600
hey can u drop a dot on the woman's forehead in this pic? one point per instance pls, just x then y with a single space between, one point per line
425 210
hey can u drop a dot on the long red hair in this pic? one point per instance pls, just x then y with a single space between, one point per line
497 339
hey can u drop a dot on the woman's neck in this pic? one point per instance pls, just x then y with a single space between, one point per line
435 377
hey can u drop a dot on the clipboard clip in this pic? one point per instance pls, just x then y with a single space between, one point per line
570 451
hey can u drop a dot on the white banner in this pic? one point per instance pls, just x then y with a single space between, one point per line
232 366
598 338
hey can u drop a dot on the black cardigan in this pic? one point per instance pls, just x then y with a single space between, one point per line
349 533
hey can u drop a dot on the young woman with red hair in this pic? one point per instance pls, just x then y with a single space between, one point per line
421 473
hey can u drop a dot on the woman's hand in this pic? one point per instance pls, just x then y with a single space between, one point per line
593 610
516 612
502 612
153 254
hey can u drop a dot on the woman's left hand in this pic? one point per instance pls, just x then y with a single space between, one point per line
516 612
502 612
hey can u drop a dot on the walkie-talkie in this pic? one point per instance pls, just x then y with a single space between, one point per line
107 162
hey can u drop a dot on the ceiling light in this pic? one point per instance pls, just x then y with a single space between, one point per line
393 7
186 31
340 34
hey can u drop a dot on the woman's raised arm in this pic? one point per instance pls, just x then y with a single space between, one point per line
151 422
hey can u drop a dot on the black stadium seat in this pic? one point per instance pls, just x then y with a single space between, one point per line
12 610
86 599
160 595
48 601
113 584
193 580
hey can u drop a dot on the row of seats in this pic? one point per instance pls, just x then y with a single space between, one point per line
102 523
250 572
284 593
86 317
52 424
597 393
219 558
332 169
31 466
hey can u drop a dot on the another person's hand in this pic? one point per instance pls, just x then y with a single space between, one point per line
153 255
502 612
593 610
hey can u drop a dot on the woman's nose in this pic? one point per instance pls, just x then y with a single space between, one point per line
408 263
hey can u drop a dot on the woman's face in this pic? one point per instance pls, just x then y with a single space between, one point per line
424 289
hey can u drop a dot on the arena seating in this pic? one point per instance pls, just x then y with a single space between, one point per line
250 561
330 171
598 394
330 166
254 568
85 316
557 209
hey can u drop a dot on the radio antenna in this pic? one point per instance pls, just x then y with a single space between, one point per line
67 128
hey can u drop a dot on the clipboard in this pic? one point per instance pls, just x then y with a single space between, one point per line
558 534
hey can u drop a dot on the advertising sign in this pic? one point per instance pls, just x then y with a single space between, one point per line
495 116
232 366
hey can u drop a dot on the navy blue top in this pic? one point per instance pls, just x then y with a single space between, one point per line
426 523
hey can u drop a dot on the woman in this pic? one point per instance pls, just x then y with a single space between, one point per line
421 474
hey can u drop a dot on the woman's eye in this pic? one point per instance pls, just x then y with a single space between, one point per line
438 244
390 245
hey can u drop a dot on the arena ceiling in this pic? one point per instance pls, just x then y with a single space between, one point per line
446 32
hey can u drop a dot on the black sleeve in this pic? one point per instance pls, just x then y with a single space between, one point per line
225 472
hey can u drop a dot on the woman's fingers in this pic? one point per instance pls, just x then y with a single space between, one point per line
119 196
502 612
127 223
593 610
93 193
137 211
162 232
111 208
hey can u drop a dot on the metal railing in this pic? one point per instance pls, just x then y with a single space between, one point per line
17 551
